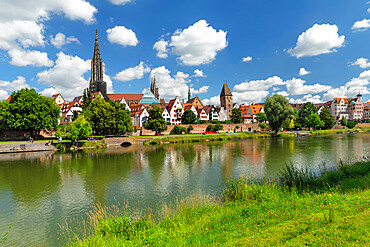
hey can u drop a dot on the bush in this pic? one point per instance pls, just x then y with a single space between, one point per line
262 125
218 127
210 128
178 129
351 124
190 128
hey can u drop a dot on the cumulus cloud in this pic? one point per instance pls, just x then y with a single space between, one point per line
246 59
120 2
307 98
198 73
303 71
66 76
195 45
3 94
170 87
283 93
362 62
40 10
258 84
25 57
361 25
60 39
318 39
215 100
15 85
133 73
122 36
249 96
297 87
201 90
161 47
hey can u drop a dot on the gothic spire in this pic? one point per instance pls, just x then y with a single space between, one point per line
96 48
189 94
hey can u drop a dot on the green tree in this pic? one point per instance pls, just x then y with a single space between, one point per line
156 122
262 125
188 117
122 118
4 112
178 129
236 115
86 99
210 128
190 128
307 109
351 124
101 115
314 121
27 110
297 123
261 117
343 121
277 111
218 127
327 118
79 129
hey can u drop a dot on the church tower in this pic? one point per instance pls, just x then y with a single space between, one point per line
154 89
189 95
226 99
97 84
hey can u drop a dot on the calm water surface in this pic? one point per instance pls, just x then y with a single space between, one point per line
39 191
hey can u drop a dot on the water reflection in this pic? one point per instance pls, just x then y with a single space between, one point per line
38 191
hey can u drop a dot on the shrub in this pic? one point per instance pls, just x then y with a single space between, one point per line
351 124
262 125
190 128
178 129
218 127
210 128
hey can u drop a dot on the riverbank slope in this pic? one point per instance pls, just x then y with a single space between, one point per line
332 209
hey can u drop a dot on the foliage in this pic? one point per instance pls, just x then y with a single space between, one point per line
27 110
218 127
327 118
79 129
261 117
188 117
262 125
122 123
86 99
297 123
210 128
178 129
75 115
156 121
236 115
343 121
101 115
351 124
237 127
307 109
314 121
277 111
189 129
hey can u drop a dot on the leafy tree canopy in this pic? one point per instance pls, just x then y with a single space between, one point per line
327 118
77 130
277 111
28 110
343 121
307 109
188 117
261 117
236 115
314 121
122 117
101 115
156 121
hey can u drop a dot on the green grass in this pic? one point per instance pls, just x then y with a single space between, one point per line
329 210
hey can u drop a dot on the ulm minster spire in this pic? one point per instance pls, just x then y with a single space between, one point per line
97 84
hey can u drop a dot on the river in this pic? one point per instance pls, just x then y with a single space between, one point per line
40 191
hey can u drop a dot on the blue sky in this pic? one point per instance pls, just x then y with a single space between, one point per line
304 50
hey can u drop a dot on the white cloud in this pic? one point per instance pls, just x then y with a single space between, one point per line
249 96
201 90
170 87
195 45
3 94
21 34
307 98
297 87
351 88
133 73
198 73
120 2
283 93
303 71
25 57
362 62
215 100
258 84
122 36
15 85
319 39
361 25
67 75
35 10
246 59
60 39
161 47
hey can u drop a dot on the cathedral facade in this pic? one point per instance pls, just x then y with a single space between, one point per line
97 84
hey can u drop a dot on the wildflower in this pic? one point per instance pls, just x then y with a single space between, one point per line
330 195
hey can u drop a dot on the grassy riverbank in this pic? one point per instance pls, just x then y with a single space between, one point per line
239 136
332 209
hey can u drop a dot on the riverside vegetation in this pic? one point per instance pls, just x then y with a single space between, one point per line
302 208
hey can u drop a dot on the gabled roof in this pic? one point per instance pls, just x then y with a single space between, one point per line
256 109
188 106
226 91
56 96
9 98
77 99
199 111
208 108
339 99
